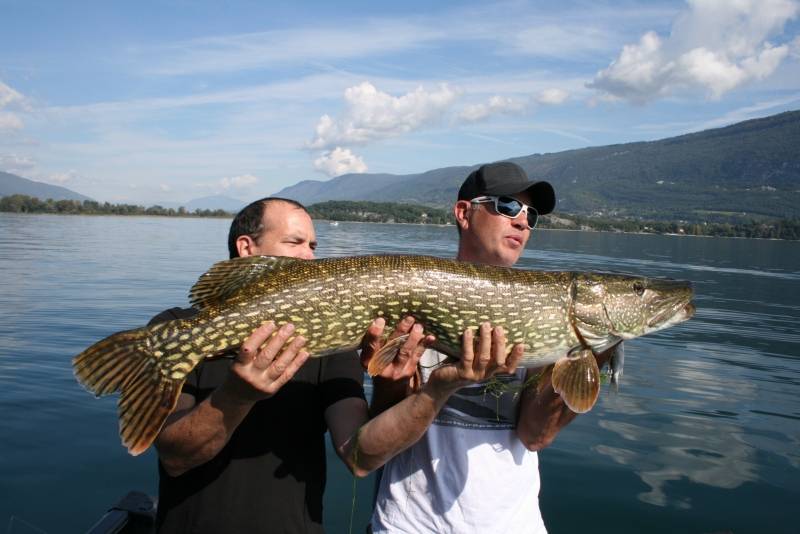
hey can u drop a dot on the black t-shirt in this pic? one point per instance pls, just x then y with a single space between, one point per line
271 475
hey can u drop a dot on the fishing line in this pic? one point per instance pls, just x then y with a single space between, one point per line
497 388
355 465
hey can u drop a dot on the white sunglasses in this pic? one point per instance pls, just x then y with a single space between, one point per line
510 207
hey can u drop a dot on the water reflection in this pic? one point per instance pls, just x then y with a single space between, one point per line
667 435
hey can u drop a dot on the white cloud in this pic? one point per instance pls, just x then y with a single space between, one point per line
552 96
165 187
244 181
16 162
371 114
339 161
715 46
496 105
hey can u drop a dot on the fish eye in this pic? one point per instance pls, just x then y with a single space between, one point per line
638 288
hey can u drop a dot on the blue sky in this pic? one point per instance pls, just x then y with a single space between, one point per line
149 102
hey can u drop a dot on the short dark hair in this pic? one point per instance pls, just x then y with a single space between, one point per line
250 221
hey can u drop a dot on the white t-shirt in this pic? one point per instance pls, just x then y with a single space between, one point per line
468 473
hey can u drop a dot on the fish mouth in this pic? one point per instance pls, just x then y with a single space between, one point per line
673 313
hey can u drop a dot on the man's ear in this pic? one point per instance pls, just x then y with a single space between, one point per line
460 210
245 245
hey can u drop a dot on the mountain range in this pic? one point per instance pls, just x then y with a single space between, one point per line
750 169
11 184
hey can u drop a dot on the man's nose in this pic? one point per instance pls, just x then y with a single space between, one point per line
520 222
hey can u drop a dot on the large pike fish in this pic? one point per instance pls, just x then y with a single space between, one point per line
561 317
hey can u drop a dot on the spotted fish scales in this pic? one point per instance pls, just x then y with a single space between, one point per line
561 318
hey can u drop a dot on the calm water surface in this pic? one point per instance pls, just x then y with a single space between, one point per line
703 436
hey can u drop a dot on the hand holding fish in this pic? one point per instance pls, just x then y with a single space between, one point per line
400 377
480 359
264 365
408 339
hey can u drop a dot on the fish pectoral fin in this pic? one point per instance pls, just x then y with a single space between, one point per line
576 378
381 359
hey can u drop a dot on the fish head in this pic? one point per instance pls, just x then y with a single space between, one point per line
609 307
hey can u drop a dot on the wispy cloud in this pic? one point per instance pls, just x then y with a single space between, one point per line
61 178
714 46
559 41
496 105
8 98
244 181
506 28
16 162
287 47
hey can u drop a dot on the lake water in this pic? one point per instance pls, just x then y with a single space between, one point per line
703 435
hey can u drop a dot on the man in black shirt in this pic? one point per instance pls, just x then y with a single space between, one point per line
244 449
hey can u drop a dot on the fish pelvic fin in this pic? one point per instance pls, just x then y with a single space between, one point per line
576 378
226 277
385 356
125 362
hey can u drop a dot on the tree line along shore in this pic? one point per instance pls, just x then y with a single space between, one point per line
390 212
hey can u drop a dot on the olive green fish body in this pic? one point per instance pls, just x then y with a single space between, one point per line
332 302
559 316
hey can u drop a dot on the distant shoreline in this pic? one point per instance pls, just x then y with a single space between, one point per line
228 215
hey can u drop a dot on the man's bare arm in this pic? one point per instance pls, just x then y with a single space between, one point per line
397 428
542 412
194 434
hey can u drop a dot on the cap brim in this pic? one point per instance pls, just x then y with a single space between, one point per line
543 196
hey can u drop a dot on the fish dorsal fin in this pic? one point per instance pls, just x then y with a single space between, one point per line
226 277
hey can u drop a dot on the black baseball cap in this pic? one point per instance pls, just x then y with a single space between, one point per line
507 178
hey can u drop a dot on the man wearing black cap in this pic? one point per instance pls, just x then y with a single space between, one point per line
475 468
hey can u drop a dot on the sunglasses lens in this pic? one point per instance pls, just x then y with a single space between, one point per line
533 217
508 206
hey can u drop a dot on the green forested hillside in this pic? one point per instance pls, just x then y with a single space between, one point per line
344 210
749 170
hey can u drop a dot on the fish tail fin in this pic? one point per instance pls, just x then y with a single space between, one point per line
125 362
577 379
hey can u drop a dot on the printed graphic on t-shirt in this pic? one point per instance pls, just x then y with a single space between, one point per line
491 404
